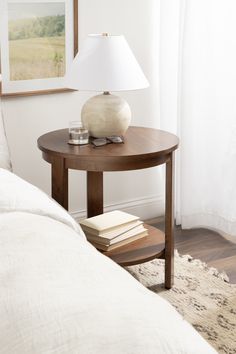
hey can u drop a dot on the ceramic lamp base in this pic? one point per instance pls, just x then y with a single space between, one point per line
106 115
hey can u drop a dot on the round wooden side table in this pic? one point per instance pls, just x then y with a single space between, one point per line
142 148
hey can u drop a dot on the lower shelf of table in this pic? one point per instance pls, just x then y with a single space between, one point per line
140 251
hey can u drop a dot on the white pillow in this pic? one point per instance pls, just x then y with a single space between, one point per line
5 161
17 195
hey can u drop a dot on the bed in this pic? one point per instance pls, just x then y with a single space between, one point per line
59 295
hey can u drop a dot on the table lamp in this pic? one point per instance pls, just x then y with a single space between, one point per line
105 63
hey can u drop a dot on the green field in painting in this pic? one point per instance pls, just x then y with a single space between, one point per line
36 58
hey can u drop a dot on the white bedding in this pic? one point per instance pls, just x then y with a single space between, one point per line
19 195
58 295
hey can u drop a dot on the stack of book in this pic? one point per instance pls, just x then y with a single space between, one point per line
114 229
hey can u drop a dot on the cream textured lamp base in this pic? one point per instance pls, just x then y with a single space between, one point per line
106 115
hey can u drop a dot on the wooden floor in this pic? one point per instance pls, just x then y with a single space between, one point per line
208 246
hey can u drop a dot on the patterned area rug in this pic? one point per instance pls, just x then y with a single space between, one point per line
201 294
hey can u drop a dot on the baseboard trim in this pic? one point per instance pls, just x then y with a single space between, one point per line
145 208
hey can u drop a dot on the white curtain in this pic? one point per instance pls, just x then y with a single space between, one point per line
198 103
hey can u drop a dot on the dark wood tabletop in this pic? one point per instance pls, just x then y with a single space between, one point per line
142 148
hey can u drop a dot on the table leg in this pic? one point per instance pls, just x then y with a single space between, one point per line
60 182
94 193
169 223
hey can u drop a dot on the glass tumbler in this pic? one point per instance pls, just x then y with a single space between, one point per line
78 135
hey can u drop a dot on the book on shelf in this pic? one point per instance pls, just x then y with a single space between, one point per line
114 237
124 242
107 222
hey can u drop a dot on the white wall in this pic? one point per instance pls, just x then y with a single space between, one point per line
29 117
170 34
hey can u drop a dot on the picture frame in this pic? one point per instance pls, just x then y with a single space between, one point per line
39 39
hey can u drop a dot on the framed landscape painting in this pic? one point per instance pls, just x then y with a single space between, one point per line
39 39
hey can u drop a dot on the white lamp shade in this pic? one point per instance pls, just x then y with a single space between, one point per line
105 63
